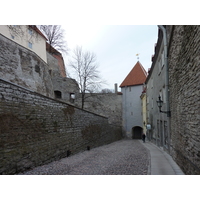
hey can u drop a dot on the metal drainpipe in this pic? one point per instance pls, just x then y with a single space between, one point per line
166 80
167 69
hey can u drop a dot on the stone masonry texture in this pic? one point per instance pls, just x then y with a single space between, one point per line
23 67
36 129
184 80
108 105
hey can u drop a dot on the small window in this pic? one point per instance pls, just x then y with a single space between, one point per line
129 89
37 68
30 31
30 45
163 59
72 97
58 94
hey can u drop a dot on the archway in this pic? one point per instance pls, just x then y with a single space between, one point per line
136 132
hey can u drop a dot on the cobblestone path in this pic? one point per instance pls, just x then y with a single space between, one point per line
124 157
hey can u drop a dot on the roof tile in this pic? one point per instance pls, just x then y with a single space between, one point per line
136 76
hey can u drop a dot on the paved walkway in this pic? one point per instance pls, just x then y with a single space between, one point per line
161 163
124 157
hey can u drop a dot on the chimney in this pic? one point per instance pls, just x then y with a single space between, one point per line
116 88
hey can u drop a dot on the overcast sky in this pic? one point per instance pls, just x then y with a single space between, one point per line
115 46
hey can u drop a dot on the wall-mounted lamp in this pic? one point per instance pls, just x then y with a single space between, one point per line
160 103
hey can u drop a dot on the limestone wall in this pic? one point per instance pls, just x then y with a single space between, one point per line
184 79
23 67
106 104
63 84
36 129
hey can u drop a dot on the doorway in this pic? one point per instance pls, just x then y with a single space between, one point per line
136 132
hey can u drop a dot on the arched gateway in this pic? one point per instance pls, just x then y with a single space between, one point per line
136 132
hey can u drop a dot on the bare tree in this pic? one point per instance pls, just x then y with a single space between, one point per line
107 91
20 31
16 30
86 71
55 36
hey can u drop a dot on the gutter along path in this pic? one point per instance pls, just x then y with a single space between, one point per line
124 157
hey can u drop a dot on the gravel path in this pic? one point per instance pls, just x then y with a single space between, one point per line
124 157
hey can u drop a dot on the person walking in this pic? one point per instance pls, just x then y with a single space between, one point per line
143 137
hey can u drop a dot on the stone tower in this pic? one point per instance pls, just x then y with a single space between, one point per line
131 88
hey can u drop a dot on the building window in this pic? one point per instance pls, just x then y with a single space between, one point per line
163 58
151 82
58 94
165 133
30 31
37 69
164 95
72 97
30 45
129 89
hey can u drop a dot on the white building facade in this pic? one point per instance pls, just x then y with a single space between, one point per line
29 36
156 86
132 88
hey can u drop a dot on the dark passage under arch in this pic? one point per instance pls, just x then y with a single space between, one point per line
136 132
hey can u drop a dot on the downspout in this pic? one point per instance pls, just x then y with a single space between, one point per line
166 80
167 69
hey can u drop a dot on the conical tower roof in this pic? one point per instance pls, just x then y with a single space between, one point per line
136 76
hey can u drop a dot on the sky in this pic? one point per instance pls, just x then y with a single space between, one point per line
115 47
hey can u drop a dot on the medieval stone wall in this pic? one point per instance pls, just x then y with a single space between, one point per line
65 85
105 104
36 129
23 67
184 80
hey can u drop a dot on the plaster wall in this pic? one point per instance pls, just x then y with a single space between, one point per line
38 42
131 108
156 81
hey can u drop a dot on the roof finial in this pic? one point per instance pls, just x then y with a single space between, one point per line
137 56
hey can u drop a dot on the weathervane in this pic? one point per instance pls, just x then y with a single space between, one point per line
137 56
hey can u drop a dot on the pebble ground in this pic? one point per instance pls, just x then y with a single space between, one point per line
124 157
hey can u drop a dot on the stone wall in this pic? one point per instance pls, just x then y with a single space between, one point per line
63 84
36 129
23 67
106 104
184 80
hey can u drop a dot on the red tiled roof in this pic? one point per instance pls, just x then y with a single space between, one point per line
136 76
